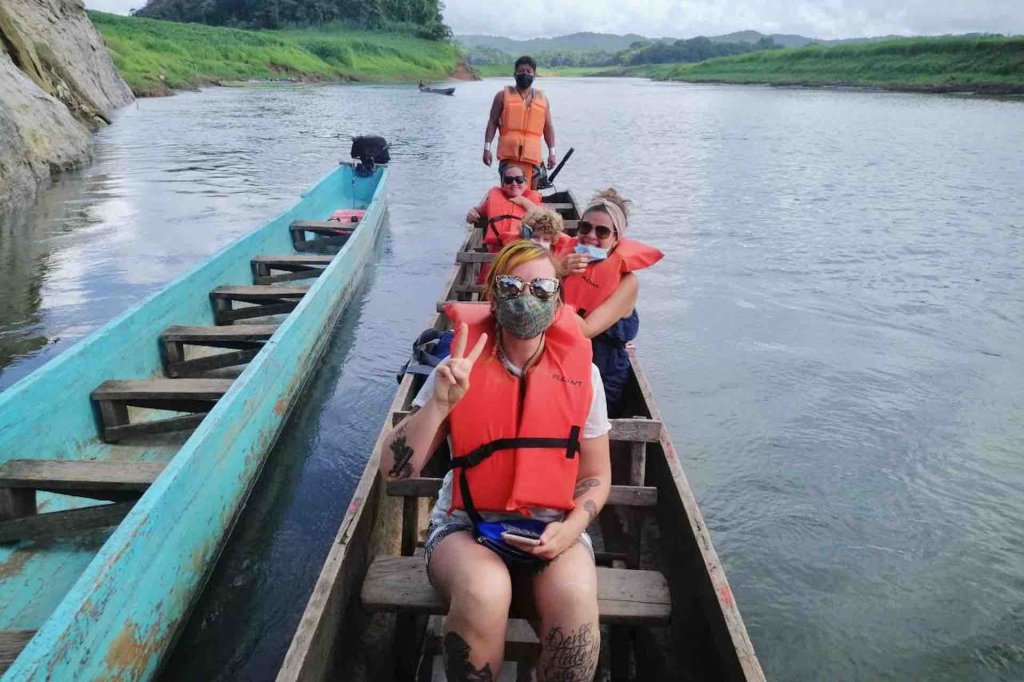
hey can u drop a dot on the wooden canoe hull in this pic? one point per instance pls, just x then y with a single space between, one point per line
707 633
125 605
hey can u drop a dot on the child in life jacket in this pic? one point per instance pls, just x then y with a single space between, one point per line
545 227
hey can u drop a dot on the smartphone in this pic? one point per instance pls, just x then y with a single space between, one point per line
519 539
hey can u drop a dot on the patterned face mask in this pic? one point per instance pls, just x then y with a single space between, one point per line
526 316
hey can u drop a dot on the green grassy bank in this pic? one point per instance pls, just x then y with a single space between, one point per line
155 57
988 65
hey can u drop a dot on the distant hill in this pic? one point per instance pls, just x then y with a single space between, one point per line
604 42
782 39
610 42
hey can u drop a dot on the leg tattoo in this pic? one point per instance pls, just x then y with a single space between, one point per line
572 656
456 662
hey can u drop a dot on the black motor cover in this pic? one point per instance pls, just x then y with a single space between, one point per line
370 147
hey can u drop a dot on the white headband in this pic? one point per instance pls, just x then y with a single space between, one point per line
614 212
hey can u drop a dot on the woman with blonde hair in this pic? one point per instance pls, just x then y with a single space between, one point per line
523 412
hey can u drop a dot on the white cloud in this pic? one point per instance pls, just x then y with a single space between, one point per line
687 18
115 6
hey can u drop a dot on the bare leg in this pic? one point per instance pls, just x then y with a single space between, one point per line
566 596
477 587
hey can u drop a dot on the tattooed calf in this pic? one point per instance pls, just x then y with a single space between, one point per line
456 662
570 657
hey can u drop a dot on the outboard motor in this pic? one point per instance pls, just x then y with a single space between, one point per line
369 150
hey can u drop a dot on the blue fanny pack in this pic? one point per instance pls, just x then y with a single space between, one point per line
488 534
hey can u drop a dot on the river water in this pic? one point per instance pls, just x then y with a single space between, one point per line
835 336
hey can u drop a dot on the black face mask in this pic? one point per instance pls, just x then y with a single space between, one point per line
523 80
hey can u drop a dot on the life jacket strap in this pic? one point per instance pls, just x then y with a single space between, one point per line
475 457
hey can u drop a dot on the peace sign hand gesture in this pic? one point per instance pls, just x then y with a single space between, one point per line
452 379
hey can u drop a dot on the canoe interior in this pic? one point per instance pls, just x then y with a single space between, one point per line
337 639
109 602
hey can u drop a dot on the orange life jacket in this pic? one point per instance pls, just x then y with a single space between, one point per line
515 442
504 219
522 127
586 291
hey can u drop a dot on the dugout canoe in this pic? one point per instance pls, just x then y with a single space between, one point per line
125 461
667 610
437 91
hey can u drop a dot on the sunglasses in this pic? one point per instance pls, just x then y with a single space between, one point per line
518 179
584 228
510 286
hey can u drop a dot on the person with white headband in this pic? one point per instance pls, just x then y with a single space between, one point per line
600 284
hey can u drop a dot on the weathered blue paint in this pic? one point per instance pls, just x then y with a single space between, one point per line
125 608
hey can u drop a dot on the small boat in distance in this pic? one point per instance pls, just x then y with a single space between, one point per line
437 91
125 461
666 609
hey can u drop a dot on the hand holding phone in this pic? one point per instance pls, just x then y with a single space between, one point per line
520 541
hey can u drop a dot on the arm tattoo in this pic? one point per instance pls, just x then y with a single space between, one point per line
403 453
591 509
570 657
456 662
585 485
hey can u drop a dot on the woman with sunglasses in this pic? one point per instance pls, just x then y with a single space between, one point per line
526 424
602 287
503 209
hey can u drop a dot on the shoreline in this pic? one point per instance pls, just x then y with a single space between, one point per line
157 58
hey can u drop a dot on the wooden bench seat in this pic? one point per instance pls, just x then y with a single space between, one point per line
79 477
247 339
629 597
293 267
269 299
619 495
177 395
330 234
474 257
11 644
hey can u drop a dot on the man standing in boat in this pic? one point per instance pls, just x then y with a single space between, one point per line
522 114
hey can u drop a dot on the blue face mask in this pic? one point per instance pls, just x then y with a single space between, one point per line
594 252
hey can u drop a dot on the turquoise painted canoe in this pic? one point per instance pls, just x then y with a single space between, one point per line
124 462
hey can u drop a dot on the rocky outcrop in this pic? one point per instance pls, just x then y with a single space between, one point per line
57 84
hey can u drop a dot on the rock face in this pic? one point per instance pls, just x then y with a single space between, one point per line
57 85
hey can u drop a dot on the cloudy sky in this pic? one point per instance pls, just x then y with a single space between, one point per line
686 18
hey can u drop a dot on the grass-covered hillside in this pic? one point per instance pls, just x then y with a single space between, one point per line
948 64
156 56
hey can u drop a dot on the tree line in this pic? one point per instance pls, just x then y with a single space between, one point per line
640 52
422 17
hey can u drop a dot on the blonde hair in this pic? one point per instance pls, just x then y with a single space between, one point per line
511 257
544 221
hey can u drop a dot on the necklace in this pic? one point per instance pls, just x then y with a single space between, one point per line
508 363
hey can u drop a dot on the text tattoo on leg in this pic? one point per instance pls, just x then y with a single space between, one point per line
456 662
572 656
